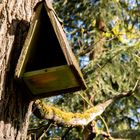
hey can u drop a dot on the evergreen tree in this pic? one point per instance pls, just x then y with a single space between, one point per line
104 35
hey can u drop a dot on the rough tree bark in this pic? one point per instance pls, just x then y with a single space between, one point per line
15 108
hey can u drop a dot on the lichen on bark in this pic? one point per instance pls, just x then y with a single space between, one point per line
69 118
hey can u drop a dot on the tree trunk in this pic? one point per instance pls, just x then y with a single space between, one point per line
15 107
100 40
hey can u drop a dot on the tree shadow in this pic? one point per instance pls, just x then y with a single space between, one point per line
14 104
19 28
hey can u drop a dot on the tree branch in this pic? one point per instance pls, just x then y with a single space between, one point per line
69 118
75 119
127 134
40 130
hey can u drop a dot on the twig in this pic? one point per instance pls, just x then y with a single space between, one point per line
40 130
85 99
135 86
66 132
107 129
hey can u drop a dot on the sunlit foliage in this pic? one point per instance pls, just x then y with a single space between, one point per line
105 37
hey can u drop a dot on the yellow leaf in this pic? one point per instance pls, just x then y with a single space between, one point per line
115 29
131 36
108 34
121 39
116 0
129 26
82 30
94 22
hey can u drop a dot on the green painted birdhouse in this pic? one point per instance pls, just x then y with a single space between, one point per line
47 65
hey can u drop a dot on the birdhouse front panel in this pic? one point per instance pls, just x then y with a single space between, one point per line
47 66
51 80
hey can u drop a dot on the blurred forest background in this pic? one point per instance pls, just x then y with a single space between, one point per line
105 37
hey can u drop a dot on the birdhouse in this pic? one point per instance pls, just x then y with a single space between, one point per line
47 65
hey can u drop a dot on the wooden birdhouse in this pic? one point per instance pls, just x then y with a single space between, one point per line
47 65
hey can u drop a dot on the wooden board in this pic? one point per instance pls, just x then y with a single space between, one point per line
50 80
28 45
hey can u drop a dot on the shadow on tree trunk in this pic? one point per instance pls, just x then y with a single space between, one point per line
15 105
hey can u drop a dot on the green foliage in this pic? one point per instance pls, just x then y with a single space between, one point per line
117 68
